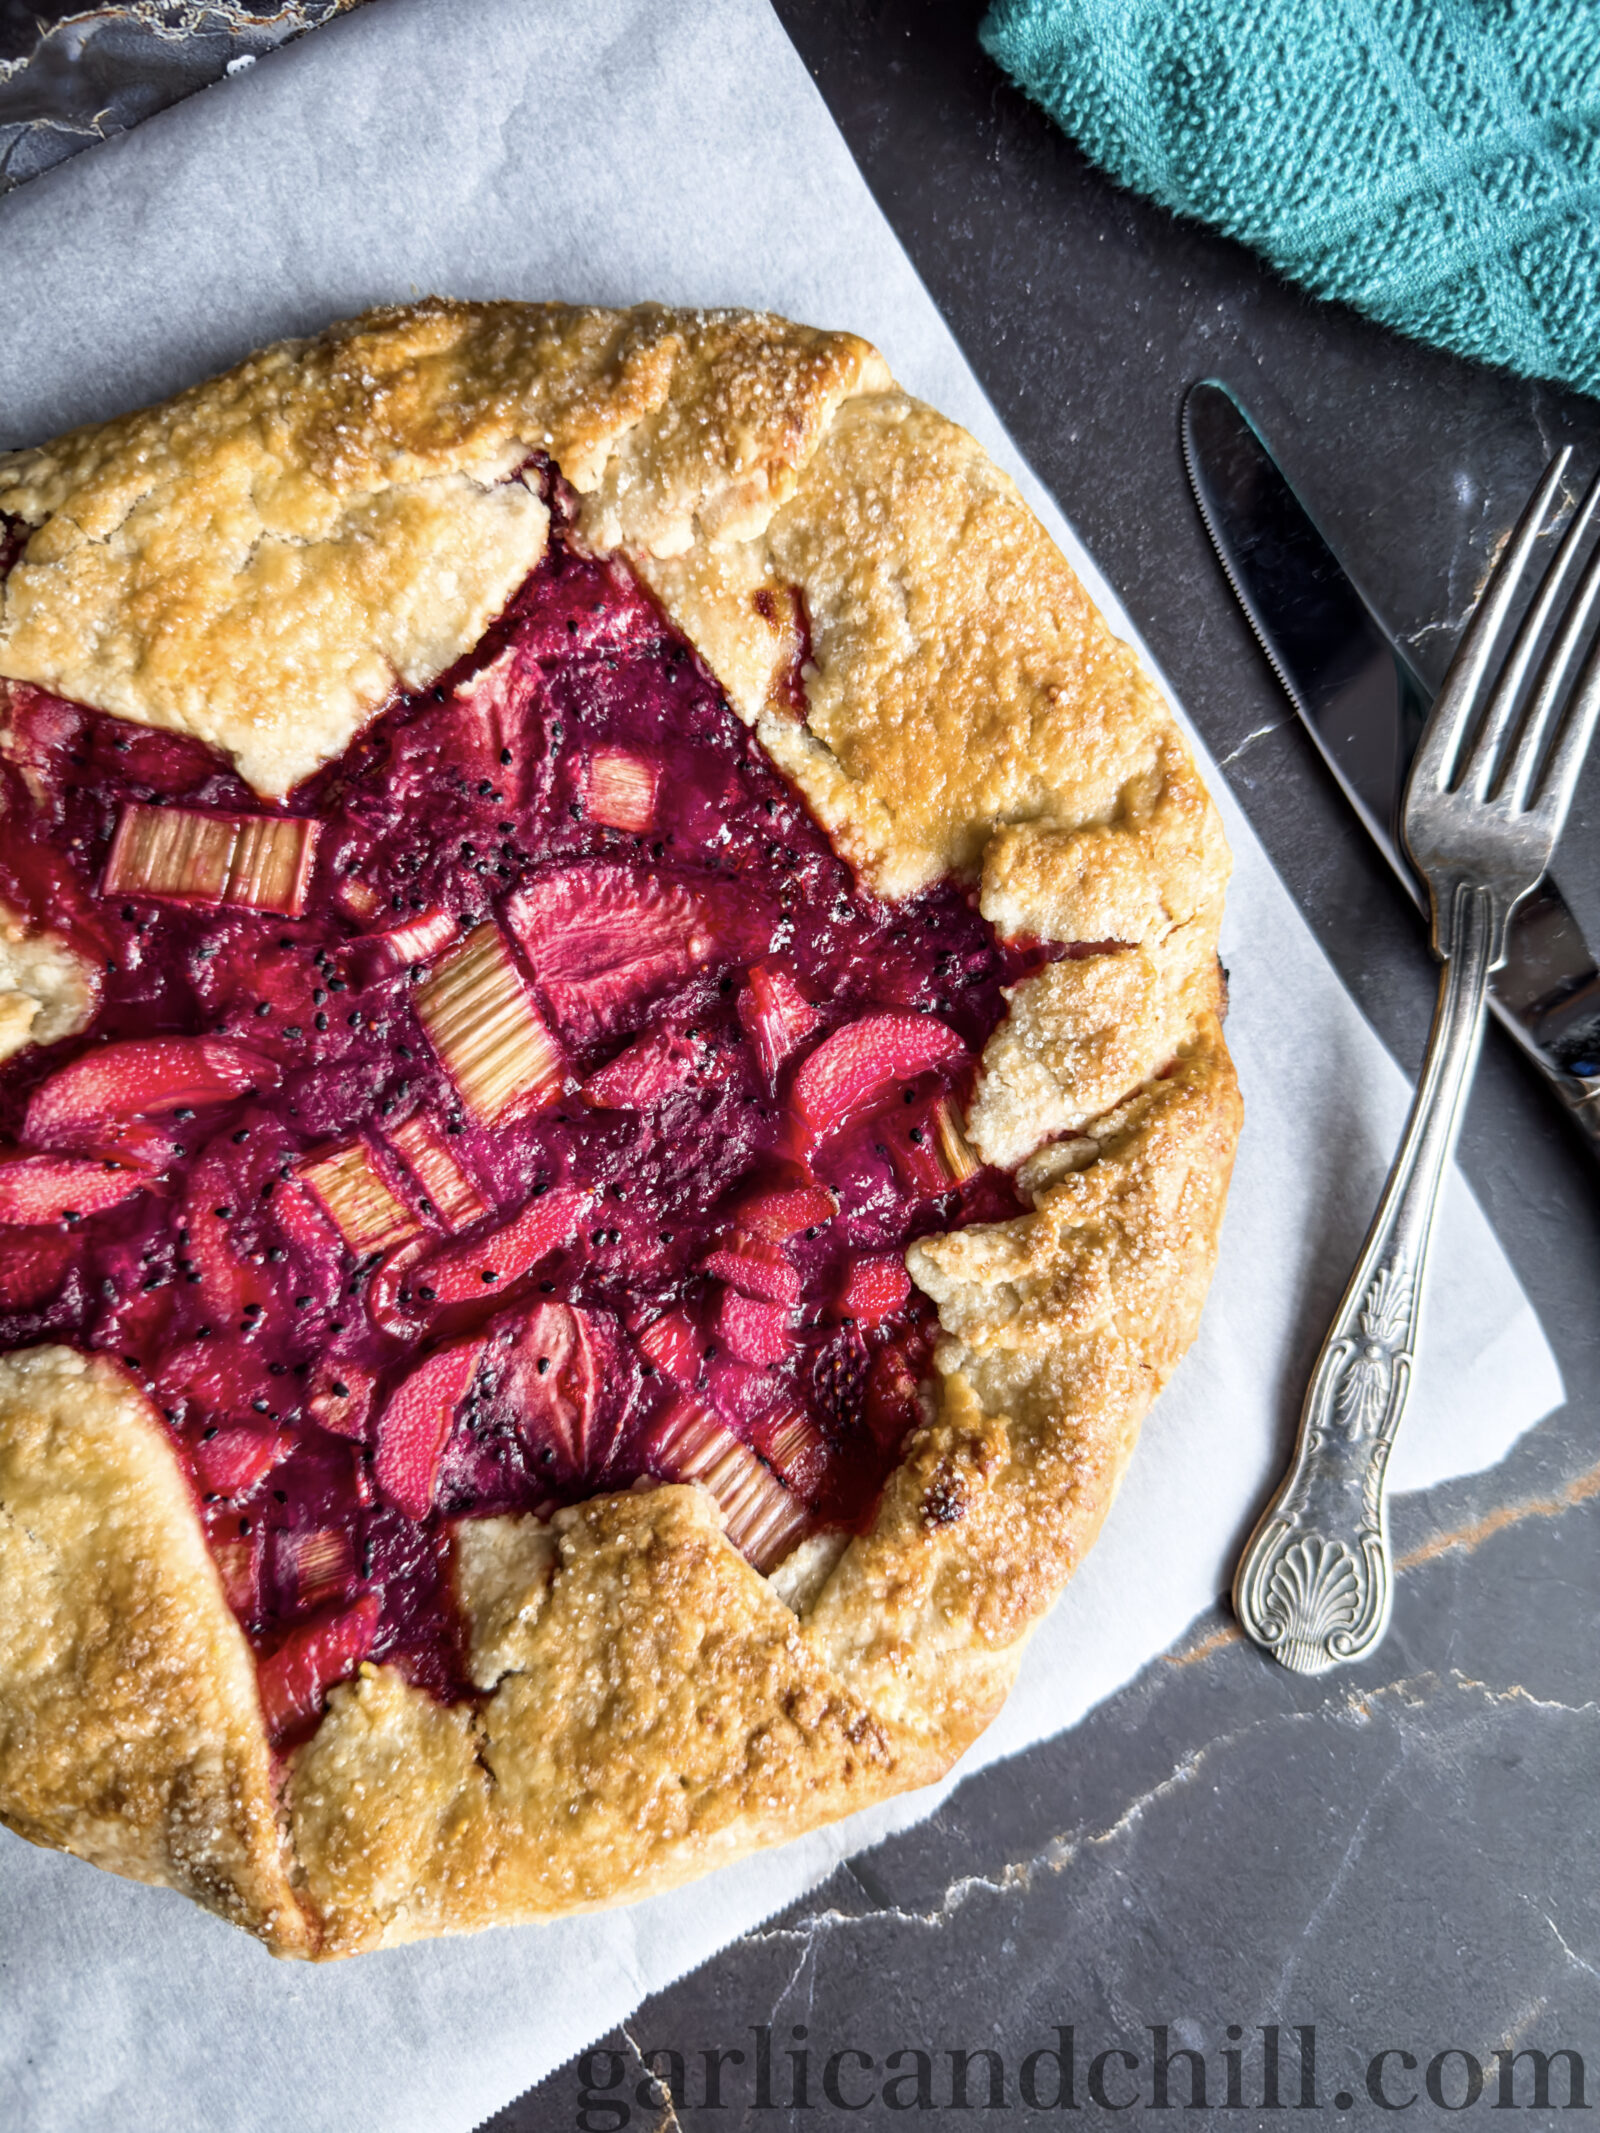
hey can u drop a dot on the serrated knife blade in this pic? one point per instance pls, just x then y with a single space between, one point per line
1364 705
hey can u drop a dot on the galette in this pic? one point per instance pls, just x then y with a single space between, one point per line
614 1108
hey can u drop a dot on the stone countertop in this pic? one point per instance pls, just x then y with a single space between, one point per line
1405 1857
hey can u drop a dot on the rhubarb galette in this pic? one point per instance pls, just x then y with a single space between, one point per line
614 1110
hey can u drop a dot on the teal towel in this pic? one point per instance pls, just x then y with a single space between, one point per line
1436 163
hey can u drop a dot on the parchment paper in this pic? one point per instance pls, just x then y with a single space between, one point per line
607 152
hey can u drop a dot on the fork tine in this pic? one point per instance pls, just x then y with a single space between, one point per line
1459 695
1551 692
1560 779
1478 775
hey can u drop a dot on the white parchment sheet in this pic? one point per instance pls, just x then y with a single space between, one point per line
608 152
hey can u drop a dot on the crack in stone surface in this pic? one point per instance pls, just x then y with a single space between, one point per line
1062 1850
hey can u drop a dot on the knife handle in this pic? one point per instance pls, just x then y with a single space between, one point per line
1315 1584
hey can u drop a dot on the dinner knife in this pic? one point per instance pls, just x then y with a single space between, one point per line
1363 704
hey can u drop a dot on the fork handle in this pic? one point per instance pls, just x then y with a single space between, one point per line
1315 1584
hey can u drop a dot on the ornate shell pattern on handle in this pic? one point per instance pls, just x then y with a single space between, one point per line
1314 1602
1363 1396
1315 1592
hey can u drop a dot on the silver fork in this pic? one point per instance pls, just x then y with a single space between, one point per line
1485 803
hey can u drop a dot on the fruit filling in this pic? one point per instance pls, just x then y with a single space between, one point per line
533 1105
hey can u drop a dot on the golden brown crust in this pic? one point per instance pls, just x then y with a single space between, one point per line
652 1707
258 561
130 1726
659 1713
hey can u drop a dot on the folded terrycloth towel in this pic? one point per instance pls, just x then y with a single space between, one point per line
1434 162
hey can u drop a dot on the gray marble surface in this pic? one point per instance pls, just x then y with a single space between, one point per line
1406 1858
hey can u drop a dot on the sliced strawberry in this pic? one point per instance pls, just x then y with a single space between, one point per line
651 1067
93 1102
553 1382
755 1332
368 1215
873 1289
318 1245
776 1014
676 1349
47 1188
740 1393
776 1216
230 1282
603 937
414 1424
489 1265
761 1518
892 1403
238 1562
759 1269
839 1376
450 1192
914 1151
858 1065
340 1397
789 1440
221 1379
390 1304
234 1460
32 1264
622 789
295 1681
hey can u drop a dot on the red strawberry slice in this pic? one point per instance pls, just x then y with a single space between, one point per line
761 1518
341 1397
238 1564
413 1426
892 1403
839 1376
777 1216
858 1065
93 1102
230 1285
622 789
874 1289
914 1151
322 1652
234 1460
553 1383
740 1394
46 1188
676 1349
32 1266
602 937
488 1266
755 1332
390 1303
224 1380
776 1015
759 1269
319 1248
651 1067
